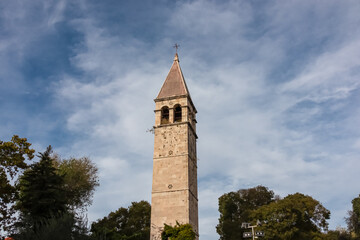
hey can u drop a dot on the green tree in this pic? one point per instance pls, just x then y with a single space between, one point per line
80 180
13 156
41 193
49 193
353 221
125 223
65 226
338 234
178 232
296 217
236 208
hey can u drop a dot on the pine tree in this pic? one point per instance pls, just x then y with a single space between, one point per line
41 194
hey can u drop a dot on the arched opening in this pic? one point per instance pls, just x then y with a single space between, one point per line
177 113
164 115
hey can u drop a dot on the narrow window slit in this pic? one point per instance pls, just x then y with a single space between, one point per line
164 115
177 113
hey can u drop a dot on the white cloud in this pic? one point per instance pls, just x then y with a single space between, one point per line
55 14
212 18
333 75
357 144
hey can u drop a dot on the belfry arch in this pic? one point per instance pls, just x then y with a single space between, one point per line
177 113
165 115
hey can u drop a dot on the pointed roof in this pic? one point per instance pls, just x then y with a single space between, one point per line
174 84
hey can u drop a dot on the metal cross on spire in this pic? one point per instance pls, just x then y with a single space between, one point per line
176 46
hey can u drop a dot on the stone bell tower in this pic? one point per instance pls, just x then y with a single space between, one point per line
174 195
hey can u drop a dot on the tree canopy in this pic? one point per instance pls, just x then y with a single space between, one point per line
65 226
297 216
13 157
353 221
236 208
178 232
125 223
80 180
338 234
49 192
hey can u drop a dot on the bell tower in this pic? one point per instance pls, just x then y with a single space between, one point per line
174 195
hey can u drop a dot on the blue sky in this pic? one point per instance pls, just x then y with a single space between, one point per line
276 85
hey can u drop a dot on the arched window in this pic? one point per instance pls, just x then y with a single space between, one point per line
164 115
177 113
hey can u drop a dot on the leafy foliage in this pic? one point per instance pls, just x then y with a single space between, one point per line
13 156
80 180
338 234
125 223
65 226
236 208
178 232
46 198
353 221
46 194
295 217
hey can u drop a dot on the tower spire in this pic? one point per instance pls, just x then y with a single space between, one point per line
174 84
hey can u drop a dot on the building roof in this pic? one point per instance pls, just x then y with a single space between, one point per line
174 84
